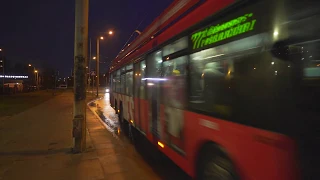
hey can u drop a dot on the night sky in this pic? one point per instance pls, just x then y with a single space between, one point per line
41 32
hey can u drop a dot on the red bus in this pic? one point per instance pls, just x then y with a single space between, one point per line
227 89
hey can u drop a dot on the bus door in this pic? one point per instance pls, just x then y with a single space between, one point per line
136 99
140 102
153 80
174 99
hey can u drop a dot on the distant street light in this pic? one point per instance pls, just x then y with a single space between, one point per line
94 58
36 77
101 37
110 32
29 65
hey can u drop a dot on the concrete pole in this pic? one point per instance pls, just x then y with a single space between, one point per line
89 64
37 81
35 77
97 64
93 81
80 80
2 58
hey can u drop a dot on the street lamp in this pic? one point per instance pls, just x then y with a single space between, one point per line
29 65
36 77
90 72
2 66
98 60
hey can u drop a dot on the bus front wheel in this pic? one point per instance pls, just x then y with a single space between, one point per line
214 164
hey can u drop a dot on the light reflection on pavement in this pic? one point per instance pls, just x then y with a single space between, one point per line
106 113
166 169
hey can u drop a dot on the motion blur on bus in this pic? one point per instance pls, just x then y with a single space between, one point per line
226 89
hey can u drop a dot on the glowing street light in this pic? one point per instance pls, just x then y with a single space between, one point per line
101 37
36 78
29 65
110 32
94 57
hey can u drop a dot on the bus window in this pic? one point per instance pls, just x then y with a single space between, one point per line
129 83
174 71
123 83
176 46
173 93
153 81
154 65
129 67
240 83
212 71
137 79
142 75
112 85
117 81
123 80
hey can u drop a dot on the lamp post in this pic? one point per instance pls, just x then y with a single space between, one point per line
36 77
89 65
97 63
34 71
93 79
2 65
98 60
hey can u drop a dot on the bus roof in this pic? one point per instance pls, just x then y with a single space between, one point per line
175 19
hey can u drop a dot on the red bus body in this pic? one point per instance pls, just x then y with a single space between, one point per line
256 153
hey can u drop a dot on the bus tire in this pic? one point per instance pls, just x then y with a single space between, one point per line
214 164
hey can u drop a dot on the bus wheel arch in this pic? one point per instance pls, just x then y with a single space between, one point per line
212 159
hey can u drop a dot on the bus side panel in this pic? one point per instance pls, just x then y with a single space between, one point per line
182 161
127 105
257 154
144 120
162 123
136 110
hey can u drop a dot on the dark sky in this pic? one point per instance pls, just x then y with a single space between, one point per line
41 32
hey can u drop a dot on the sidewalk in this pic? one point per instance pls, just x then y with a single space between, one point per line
36 144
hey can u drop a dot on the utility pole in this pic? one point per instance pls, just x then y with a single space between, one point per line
97 64
89 65
80 80
2 60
